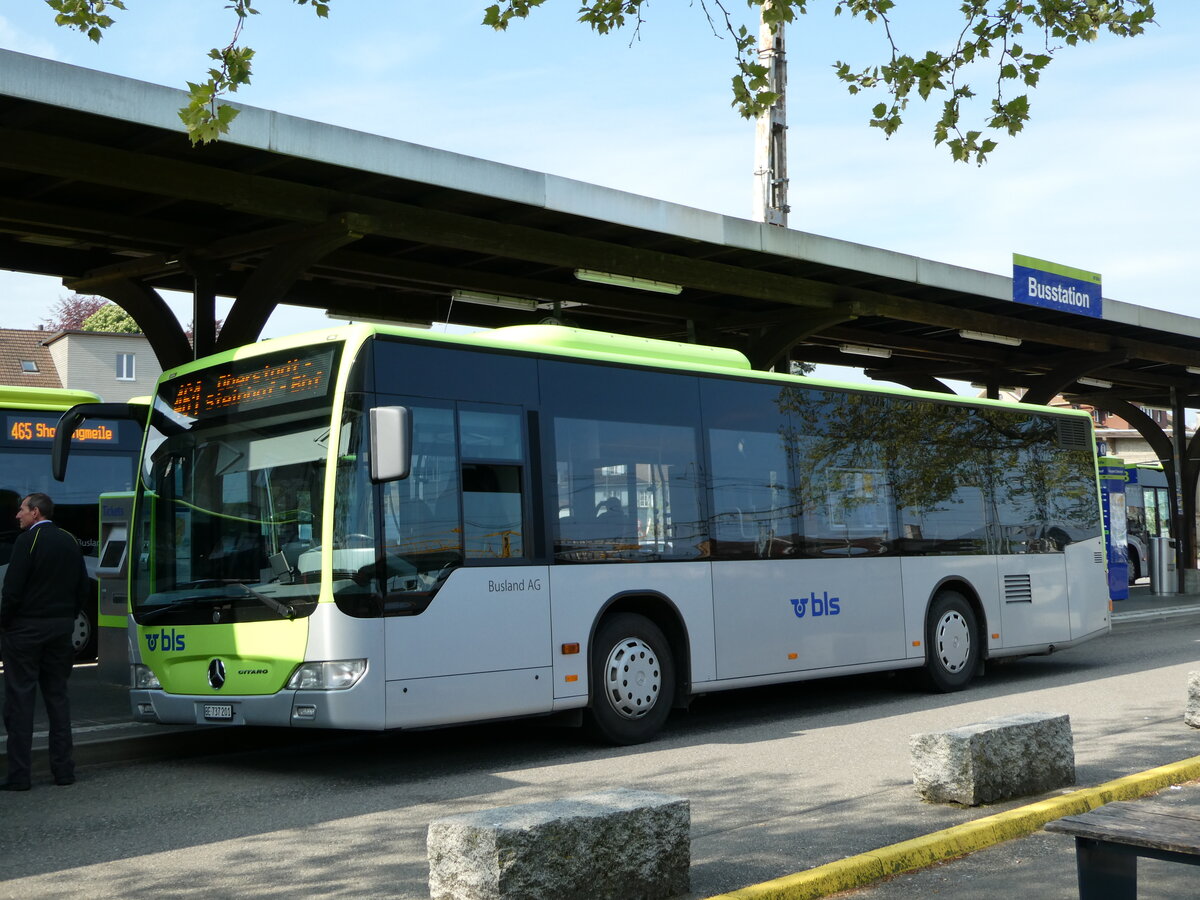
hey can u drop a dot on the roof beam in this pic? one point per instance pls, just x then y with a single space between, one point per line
273 197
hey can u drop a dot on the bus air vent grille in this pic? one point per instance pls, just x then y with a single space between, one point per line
1074 433
1018 589
1098 557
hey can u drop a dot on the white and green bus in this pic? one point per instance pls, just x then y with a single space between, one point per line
378 528
105 453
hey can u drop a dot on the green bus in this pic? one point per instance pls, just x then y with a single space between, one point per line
105 453
377 527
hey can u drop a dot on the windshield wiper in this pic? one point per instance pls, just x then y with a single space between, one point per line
283 610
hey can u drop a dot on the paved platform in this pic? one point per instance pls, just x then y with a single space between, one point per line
104 733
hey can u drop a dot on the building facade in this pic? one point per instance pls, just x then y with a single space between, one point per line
118 367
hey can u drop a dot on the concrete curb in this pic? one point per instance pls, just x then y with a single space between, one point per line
856 871
1145 615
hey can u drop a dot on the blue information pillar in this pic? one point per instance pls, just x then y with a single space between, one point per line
1112 495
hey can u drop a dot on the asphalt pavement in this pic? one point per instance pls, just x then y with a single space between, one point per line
1031 861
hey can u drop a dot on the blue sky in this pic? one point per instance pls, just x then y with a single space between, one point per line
1103 178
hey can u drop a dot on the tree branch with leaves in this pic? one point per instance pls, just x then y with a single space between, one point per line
992 30
205 117
1014 40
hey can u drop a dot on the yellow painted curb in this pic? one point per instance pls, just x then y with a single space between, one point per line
855 871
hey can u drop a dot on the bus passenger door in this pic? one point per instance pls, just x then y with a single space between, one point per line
467 625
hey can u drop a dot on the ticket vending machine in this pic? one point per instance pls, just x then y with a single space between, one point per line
112 574
1112 496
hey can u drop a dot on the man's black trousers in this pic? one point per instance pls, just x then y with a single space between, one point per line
37 653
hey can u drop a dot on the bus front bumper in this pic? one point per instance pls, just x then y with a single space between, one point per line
302 709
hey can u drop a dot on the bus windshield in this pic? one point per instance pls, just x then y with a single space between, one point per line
232 508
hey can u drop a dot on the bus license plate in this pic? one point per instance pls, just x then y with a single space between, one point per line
218 711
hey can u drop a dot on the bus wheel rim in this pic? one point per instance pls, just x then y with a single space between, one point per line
953 641
632 678
82 632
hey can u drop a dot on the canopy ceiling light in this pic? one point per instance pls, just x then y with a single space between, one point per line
629 281
859 350
482 299
989 338
1094 382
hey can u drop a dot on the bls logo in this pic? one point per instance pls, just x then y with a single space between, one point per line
167 643
821 606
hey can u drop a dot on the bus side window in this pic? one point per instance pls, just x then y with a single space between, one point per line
492 511
493 453
753 515
627 490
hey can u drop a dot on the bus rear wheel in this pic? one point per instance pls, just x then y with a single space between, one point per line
951 642
632 680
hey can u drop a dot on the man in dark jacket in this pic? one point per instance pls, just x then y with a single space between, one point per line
45 587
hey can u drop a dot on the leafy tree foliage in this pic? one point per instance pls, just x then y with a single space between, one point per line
190 331
1017 37
69 313
205 118
1013 40
112 319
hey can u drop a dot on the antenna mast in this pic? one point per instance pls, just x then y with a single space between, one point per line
770 145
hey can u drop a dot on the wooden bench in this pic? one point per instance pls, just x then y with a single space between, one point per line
1109 840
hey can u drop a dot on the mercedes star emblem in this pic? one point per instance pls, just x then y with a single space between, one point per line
216 674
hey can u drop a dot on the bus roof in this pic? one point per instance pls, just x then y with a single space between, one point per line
579 343
582 342
56 399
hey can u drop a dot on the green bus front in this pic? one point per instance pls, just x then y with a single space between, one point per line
252 523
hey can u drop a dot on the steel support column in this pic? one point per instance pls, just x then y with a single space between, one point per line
1183 500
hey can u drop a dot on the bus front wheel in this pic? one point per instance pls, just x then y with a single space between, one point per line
632 680
951 642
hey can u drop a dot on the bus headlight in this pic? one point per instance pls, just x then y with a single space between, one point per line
144 678
327 676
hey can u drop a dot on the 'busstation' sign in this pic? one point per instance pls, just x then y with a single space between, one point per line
1052 286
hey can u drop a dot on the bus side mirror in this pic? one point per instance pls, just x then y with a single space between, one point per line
60 450
391 443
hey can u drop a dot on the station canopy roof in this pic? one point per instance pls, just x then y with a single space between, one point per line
99 186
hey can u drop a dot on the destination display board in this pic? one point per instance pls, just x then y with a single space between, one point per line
249 385
31 428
